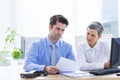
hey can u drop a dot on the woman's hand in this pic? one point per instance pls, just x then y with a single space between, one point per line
107 64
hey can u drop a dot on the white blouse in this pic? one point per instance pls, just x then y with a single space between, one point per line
93 58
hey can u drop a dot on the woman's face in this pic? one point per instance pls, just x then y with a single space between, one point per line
92 37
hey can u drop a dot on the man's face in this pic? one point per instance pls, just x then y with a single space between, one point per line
57 30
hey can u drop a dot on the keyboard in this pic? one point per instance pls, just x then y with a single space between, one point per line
104 71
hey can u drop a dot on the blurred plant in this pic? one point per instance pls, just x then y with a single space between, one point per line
11 34
10 39
16 54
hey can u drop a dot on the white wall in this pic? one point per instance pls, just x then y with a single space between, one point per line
36 13
88 11
4 18
31 17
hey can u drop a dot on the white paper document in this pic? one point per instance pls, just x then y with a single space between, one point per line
78 74
65 64
70 68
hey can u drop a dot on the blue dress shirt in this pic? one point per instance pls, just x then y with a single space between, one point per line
40 53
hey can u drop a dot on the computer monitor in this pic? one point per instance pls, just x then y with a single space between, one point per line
115 53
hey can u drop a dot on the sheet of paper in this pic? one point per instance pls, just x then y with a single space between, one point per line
66 65
70 68
74 74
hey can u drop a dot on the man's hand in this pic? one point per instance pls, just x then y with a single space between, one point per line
51 70
107 64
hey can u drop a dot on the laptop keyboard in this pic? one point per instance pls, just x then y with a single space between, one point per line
104 71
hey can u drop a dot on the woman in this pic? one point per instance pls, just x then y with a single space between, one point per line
95 53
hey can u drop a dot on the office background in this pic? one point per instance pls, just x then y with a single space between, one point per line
31 17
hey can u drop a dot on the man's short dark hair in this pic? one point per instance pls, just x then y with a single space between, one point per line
97 26
58 18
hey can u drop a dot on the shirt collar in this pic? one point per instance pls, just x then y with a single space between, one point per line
49 42
95 47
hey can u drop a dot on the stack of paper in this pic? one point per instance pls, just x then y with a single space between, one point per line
77 74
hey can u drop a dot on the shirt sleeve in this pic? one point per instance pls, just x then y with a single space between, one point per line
31 62
91 66
80 56
71 54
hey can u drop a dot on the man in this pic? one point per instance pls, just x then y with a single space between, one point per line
39 57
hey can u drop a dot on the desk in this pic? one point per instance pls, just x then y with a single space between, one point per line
62 77
13 73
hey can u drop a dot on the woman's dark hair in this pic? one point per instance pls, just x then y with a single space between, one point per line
58 18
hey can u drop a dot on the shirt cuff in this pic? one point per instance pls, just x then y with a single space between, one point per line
100 66
41 67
